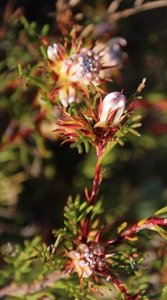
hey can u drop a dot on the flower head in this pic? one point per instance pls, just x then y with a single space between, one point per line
85 67
74 70
111 109
86 260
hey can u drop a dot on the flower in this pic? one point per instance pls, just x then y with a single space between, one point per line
111 109
111 52
72 73
75 69
86 260
83 67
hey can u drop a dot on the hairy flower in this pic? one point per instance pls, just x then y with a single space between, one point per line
73 73
111 52
87 259
111 109
75 70
92 260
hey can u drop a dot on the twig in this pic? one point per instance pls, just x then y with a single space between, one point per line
137 9
30 288
96 184
150 224
114 6
138 2
91 199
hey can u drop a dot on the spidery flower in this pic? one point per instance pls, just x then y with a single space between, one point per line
93 262
74 71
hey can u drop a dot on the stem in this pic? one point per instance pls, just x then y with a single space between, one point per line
14 289
150 224
92 198
117 15
96 184
119 285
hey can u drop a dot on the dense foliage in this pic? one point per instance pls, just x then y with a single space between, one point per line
72 103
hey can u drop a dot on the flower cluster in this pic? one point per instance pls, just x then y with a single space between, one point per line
86 260
75 71
93 262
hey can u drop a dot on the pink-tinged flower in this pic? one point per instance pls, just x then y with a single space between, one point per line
72 72
75 69
111 109
88 260
111 53
83 67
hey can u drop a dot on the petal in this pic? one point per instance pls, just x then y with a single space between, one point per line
52 52
111 109
120 110
63 97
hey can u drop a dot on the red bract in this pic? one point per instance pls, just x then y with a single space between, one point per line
71 127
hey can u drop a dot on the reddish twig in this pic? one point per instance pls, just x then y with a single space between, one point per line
96 184
150 223
91 199
119 285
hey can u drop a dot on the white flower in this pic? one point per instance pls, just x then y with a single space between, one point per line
83 67
52 52
111 109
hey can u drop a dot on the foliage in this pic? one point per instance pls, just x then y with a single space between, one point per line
67 86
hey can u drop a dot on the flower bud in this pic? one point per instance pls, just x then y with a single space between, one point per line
111 109
52 52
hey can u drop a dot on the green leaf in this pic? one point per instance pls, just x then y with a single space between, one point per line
122 227
161 211
74 212
36 82
161 231
133 131
164 293
24 21
20 69
45 29
109 147
44 52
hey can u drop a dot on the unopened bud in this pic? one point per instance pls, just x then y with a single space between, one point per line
52 52
111 109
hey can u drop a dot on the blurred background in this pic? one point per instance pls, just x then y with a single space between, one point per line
36 173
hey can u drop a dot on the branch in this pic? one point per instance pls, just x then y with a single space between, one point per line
114 17
113 6
119 285
91 199
96 184
138 2
30 288
151 224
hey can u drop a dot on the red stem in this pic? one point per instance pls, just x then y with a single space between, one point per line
91 199
96 184
120 286
146 224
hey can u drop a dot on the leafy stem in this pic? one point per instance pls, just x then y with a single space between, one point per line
91 198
